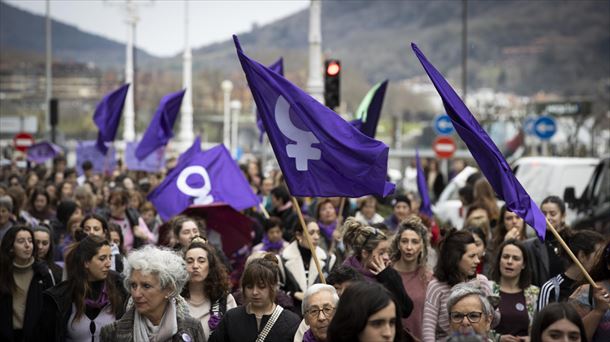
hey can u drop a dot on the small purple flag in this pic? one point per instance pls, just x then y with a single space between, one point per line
422 187
369 110
490 160
42 151
191 151
278 67
320 154
161 127
206 177
108 115
154 162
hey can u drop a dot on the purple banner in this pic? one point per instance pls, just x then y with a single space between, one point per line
153 162
87 150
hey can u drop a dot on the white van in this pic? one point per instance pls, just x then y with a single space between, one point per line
545 176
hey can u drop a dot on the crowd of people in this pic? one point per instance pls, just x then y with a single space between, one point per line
87 258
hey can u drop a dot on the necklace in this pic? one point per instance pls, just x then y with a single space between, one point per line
196 303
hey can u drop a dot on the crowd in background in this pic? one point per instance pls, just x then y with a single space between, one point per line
87 258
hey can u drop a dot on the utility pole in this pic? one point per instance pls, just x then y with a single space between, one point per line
315 85
186 110
49 70
464 49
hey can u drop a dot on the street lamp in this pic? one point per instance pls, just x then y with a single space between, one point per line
236 109
227 87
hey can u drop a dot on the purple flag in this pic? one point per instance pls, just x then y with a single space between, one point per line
154 162
102 163
369 110
320 154
108 115
161 127
278 67
490 160
422 187
191 151
42 151
206 177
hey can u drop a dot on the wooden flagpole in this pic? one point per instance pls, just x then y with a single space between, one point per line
263 210
570 253
340 213
295 204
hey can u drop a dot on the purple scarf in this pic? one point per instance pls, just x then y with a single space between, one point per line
101 301
328 229
355 264
308 336
267 245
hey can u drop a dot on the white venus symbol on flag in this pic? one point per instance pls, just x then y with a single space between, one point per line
302 151
202 195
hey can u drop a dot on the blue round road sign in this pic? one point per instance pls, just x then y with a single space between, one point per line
443 125
545 127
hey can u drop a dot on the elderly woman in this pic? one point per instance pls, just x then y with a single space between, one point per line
469 311
157 313
319 304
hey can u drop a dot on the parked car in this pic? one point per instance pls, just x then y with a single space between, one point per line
545 176
593 206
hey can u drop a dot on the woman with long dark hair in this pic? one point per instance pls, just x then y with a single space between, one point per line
207 291
510 226
22 282
46 249
457 263
78 308
38 210
558 322
512 283
367 311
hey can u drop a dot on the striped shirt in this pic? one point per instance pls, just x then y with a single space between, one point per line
436 317
548 293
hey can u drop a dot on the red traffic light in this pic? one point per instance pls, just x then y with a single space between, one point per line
333 68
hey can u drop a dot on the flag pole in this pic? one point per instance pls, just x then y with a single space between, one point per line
340 213
263 210
295 204
570 253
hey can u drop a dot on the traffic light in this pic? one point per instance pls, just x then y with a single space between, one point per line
332 77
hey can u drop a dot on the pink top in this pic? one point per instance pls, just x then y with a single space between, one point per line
128 233
415 284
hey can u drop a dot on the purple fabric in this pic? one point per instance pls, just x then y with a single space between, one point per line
153 162
191 151
425 207
102 162
485 152
214 321
42 151
108 115
328 229
355 264
101 301
308 336
226 184
373 112
278 67
161 127
268 245
320 154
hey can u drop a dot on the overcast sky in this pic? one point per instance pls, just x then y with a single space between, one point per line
160 30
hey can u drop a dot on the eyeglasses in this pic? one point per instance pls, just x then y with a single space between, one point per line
473 317
327 310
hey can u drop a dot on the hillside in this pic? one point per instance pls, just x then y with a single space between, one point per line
23 33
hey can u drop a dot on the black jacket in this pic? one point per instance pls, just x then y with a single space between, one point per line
40 282
239 326
57 308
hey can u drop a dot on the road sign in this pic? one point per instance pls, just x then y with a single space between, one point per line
545 127
22 141
443 125
444 147
528 125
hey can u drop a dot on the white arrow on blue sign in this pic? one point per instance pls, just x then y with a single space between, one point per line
545 127
443 125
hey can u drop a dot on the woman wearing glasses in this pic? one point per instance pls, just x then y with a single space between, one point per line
470 312
319 304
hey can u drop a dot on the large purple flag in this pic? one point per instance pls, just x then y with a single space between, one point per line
161 127
203 178
320 154
42 151
425 207
108 115
191 151
278 67
369 110
490 160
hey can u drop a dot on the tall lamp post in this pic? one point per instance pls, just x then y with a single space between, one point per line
236 110
227 87
315 85
186 110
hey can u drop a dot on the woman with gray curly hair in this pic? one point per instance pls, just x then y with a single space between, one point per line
156 311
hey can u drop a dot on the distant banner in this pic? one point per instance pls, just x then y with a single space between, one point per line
152 163
86 150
